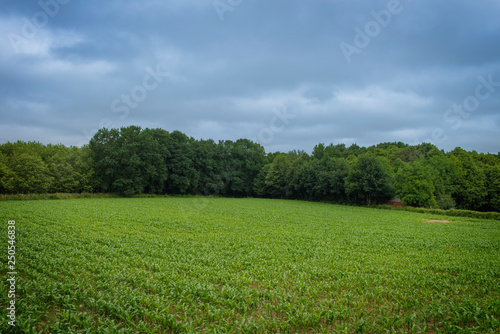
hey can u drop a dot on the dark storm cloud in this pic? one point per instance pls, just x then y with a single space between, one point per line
89 65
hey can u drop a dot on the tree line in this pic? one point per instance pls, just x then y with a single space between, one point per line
131 161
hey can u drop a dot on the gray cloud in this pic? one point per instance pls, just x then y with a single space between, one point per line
227 78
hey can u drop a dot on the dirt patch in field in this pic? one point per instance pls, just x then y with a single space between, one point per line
437 221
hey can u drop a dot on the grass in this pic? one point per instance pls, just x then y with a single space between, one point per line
217 265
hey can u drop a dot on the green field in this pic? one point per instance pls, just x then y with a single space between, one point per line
217 265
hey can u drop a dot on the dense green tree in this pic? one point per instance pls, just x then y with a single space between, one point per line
49 168
84 168
102 153
445 177
444 171
246 160
355 150
6 175
154 154
276 178
183 176
297 177
410 154
70 169
414 185
368 182
132 160
209 161
492 174
260 187
426 149
334 151
130 172
30 174
471 191
390 151
318 151
331 175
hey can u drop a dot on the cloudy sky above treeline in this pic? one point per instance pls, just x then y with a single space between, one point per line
287 74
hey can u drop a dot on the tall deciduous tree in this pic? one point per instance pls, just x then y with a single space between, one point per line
154 154
183 177
471 192
31 174
246 160
330 183
260 187
105 163
493 188
6 175
368 181
414 185
130 161
276 179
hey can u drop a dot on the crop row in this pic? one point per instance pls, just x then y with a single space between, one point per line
249 266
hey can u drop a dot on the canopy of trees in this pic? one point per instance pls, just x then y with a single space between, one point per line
132 160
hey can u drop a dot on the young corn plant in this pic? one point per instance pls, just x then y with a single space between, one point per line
167 265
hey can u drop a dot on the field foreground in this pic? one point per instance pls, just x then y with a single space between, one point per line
216 265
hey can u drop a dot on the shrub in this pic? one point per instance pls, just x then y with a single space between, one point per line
454 212
446 202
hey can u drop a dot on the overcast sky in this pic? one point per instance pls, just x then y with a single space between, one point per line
287 74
